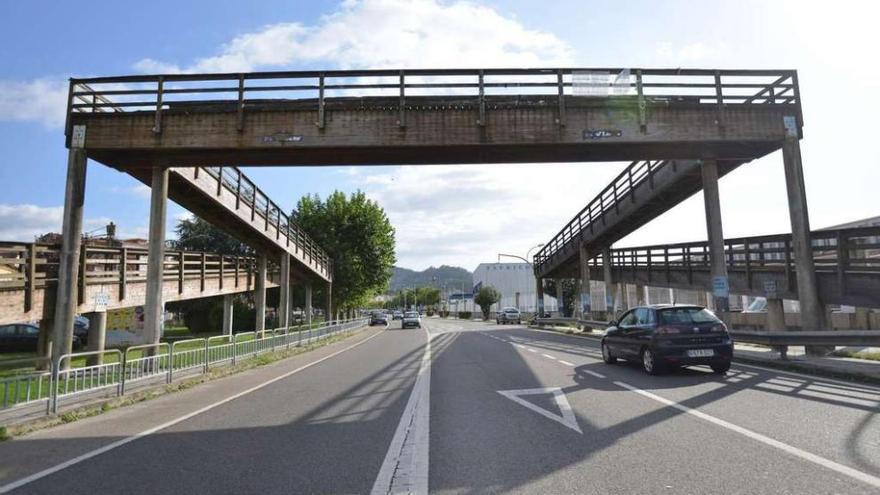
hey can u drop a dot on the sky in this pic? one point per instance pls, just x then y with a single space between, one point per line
455 214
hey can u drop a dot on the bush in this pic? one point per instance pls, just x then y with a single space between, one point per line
464 315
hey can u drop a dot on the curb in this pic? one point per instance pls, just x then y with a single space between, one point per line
775 364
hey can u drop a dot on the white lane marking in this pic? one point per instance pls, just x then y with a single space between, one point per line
807 377
119 443
840 468
530 349
567 418
548 356
405 468
520 346
593 373
566 363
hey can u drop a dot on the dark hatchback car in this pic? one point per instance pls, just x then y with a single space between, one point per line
23 337
378 318
662 337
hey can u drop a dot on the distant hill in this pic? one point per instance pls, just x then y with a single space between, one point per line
451 276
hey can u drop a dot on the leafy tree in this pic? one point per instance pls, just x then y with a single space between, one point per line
570 293
487 296
359 239
199 235
423 296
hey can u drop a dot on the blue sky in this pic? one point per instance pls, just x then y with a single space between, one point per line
42 43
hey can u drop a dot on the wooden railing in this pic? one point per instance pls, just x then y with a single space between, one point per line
249 196
239 92
841 251
32 266
620 189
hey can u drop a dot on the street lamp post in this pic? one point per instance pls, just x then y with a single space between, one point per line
536 246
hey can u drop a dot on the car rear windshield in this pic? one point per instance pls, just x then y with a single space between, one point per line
412 314
686 316
511 310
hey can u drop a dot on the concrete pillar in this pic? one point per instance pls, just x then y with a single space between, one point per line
775 315
610 286
560 298
44 342
516 300
284 295
228 308
641 295
97 335
154 308
718 264
585 308
308 305
328 304
623 302
812 311
260 294
68 261
539 297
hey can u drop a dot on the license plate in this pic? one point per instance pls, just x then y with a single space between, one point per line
700 353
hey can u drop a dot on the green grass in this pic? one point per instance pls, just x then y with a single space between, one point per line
869 355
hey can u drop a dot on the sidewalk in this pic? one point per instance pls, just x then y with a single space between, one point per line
831 366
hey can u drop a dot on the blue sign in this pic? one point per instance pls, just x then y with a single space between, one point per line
720 287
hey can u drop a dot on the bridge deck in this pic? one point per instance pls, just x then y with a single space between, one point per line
433 116
639 194
28 278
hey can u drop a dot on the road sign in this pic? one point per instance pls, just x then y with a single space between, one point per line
566 418
101 301
720 287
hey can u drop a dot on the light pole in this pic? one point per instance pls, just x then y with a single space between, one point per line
536 246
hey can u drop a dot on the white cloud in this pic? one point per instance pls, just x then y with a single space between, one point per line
689 54
23 222
387 33
467 214
138 190
39 100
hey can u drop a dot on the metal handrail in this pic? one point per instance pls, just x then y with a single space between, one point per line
620 188
151 358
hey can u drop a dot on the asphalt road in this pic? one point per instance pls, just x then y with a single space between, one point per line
480 409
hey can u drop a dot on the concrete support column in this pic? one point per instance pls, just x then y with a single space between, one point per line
284 295
623 302
585 308
718 264
328 304
775 315
97 335
68 262
812 311
641 295
539 297
228 308
610 286
154 308
44 342
260 294
308 305
560 298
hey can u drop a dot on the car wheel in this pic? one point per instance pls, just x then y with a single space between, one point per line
606 354
721 368
650 363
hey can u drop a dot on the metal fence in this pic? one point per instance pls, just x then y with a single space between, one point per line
85 375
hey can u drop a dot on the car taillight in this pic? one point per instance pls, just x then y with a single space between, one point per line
667 330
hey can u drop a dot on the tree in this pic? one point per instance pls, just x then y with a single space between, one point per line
358 238
487 296
570 292
199 235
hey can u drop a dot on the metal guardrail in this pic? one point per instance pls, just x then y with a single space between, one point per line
569 321
67 381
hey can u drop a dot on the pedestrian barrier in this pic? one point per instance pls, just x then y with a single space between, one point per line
85 375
